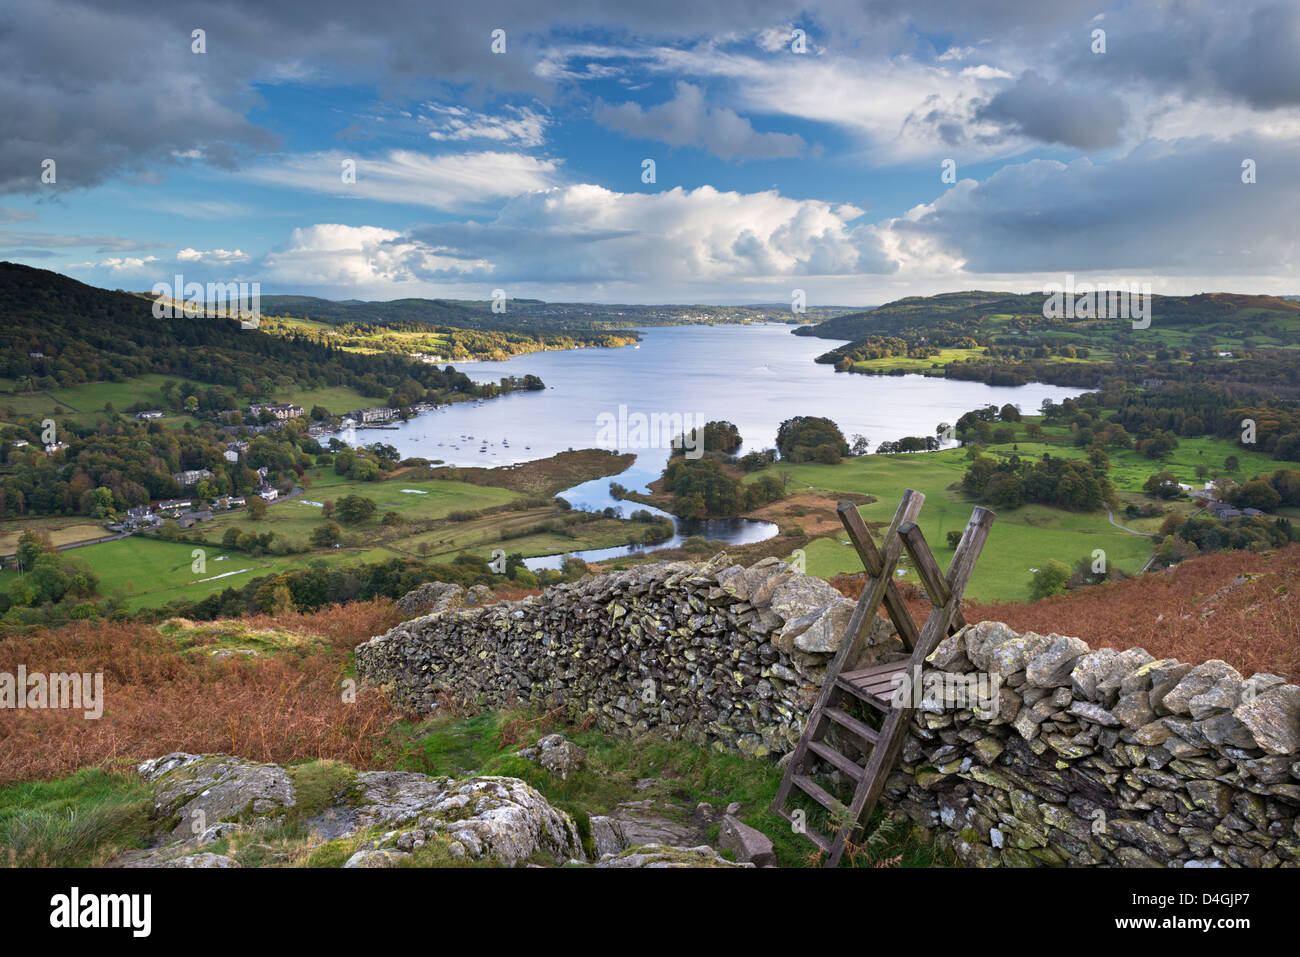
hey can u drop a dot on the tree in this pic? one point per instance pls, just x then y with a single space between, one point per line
257 508
32 544
797 437
1158 446
1005 492
1162 485
1288 448
826 454
1257 493
327 534
1049 580
354 509
1230 464
860 445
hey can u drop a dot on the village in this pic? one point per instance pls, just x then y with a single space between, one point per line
187 512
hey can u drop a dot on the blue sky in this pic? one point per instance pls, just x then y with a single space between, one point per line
1104 141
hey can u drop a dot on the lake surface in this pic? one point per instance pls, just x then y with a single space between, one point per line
755 376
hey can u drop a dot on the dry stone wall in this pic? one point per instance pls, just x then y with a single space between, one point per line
711 652
1025 749
1100 757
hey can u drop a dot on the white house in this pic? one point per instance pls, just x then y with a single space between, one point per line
269 494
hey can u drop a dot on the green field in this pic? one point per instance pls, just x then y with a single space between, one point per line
1022 539
147 573
89 399
295 519
337 399
908 364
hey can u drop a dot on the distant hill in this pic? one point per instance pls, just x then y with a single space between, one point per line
57 332
531 316
971 311
431 311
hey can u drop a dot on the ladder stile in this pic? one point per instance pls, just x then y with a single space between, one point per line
873 686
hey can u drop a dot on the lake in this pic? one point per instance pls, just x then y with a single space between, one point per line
755 376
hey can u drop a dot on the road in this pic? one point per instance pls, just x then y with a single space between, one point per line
1111 516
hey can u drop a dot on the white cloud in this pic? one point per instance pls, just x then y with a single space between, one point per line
118 264
341 256
212 256
452 181
519 125
584 239
586 233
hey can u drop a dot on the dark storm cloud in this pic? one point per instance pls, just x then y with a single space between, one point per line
1173 208
108 89
1244 51
1054 113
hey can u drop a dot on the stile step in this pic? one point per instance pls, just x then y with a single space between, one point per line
863 695
841 761
821 840
844 720
818 793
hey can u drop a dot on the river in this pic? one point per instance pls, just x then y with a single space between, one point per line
755 376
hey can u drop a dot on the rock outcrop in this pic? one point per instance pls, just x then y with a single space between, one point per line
381 818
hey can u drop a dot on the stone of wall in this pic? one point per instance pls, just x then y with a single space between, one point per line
711 652
1101 757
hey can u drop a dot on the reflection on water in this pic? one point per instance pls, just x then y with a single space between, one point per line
755 376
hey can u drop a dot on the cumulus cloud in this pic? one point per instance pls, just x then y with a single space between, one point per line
687 120
450 181
341 256
584 237
586 233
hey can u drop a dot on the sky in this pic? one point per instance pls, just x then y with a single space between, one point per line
656 152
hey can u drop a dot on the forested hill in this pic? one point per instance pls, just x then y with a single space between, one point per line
531 317
394 312
970 313
56 332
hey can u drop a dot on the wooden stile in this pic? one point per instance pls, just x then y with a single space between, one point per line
876 686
